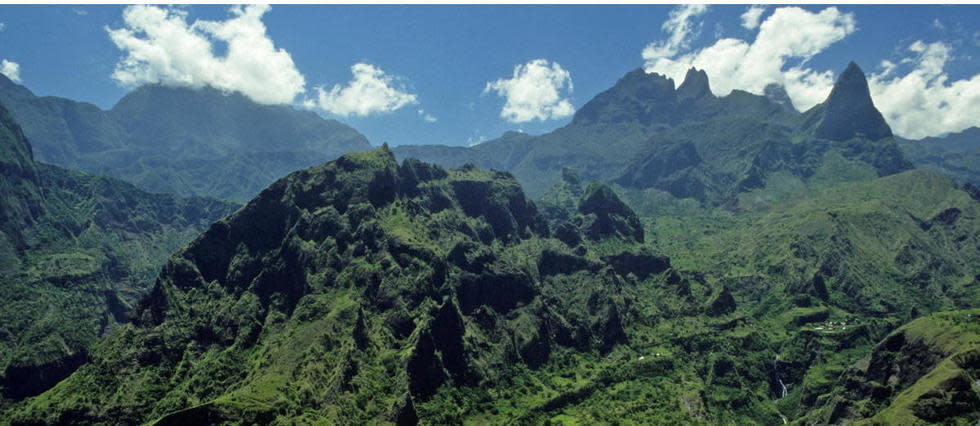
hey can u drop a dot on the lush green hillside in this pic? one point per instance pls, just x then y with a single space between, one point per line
76 251
925 372
373 291
956 155
180 141
356 290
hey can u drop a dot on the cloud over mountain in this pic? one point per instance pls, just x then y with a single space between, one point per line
10 69
160 46
536 91
786 39
922 102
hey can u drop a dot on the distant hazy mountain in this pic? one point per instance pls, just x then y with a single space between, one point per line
644 133
76 251
180 141
956 154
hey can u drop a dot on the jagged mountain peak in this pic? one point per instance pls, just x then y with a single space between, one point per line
849 110
11 88
852 72
695 84
640 78
638 95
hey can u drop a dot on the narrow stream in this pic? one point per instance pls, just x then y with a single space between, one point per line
775 372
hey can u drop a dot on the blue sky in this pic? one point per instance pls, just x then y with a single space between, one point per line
440 59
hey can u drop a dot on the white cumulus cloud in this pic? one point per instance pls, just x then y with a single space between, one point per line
370 91
752 16
10 69
160 46
921 102
536 91
786 40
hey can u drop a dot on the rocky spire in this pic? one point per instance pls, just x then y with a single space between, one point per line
695 84
638 96
849 111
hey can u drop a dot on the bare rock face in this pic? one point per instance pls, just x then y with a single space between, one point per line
695 85
607 216
850 112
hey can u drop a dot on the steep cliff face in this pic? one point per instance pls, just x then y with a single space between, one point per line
924 372
75 252
20 202
849 111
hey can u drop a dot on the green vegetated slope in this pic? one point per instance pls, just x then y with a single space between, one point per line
372 291
956 155
76 251
181 141
822 277
362 290
924 372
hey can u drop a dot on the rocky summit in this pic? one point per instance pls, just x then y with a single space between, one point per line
849 111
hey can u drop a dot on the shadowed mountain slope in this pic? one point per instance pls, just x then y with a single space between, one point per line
923 373
956 155
849 112
75 252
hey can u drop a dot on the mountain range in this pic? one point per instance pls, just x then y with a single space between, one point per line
669 256
645 133
180 141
